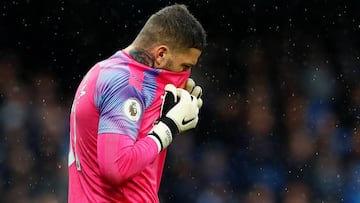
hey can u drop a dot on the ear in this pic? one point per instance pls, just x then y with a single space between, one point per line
160 55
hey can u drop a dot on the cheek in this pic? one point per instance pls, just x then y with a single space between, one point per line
169 65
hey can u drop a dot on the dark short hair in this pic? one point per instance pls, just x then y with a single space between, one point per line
174 26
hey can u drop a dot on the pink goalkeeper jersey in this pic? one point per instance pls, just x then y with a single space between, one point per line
111 158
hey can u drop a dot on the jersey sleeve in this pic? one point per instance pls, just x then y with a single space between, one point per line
120 104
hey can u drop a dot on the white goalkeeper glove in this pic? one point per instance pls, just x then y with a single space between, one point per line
194 90
179 113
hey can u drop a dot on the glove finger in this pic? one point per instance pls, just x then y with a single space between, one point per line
197 91
190 84
195 104
199 103
170 88
183 95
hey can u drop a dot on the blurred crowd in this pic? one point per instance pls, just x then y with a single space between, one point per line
274 128
34 135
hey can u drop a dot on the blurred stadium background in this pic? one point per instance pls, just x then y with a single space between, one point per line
281 91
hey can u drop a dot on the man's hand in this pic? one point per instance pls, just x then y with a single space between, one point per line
179 113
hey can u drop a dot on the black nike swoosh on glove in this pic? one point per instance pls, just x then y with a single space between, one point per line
184 122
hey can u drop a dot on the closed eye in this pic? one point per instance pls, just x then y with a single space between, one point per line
187 67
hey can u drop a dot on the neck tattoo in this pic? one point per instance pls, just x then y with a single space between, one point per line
142 57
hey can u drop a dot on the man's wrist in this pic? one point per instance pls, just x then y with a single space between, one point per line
162 133
170 124
156 140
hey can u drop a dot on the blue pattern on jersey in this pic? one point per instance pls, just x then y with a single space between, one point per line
149 85
113 90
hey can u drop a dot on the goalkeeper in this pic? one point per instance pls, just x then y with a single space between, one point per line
129 107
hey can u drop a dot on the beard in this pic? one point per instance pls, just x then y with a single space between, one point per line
168 65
